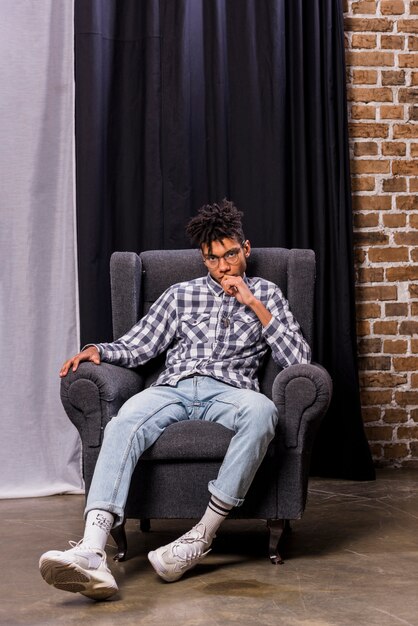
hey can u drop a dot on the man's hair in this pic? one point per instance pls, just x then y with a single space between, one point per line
215 222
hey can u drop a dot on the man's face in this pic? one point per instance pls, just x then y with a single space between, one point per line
227 257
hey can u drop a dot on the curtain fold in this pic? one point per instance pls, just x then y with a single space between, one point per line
202 99
40 451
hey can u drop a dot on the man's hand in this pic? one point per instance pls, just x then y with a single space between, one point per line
236 286
89 354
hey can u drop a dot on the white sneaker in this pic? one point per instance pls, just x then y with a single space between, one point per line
79 570
173 560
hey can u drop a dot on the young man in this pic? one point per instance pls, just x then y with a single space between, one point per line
216 331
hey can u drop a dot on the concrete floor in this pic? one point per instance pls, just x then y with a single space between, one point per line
351 560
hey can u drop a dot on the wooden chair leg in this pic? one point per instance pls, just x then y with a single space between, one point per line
119 537
278 529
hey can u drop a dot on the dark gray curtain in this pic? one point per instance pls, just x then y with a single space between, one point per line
183 102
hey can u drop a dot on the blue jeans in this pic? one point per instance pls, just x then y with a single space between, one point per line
145 416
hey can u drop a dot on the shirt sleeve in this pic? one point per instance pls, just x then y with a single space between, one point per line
148 338
283 333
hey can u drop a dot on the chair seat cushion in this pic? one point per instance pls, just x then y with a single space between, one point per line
190 440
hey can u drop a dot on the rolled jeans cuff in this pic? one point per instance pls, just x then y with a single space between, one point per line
223 497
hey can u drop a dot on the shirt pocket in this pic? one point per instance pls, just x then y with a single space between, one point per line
195 328
246 329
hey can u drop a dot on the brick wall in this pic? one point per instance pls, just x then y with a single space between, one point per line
382 74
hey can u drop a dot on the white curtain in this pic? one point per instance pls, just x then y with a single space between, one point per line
39 447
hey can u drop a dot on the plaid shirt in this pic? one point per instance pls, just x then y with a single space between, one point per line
207 332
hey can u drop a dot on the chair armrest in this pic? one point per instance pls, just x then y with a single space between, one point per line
302 394
93 395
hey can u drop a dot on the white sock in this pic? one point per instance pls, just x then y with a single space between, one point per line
98 526
213 517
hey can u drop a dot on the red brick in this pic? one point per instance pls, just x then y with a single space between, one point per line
363 183
413 184
414 346
393 148
363 148
385 328
407 168
395 274
364 6
374 363
369 345
408 328
408 239
383 380
365 77
367 310
406 398
363 41
393 77
360 112
388 255
395 183
406 26
413 42
394 220
378 433
365 220
405 364
393 42
395 346
396 309
359 256
414 149
393 416
370 275
392 7
369 238
407 60
369 398
407 432
413 290
372 203
370 59
413 221
394 451
392 112
369 94
407 203
359 24
370 414
368 130
372 166
413 7
363 328
408 95
379 292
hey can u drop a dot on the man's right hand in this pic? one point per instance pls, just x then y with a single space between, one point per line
89 354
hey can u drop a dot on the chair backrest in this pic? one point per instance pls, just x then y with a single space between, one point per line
137 281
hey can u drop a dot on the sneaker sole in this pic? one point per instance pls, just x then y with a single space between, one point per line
70 577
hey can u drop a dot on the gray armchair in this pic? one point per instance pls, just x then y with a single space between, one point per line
170 480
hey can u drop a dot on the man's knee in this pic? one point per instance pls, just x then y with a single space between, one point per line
261 414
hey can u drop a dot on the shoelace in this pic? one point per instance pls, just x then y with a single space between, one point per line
191 552
75 544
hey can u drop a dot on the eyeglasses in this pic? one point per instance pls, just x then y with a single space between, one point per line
231 257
